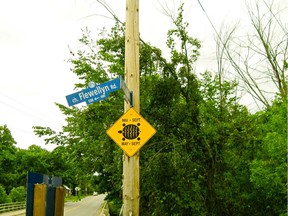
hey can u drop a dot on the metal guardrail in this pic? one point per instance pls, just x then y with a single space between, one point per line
12 206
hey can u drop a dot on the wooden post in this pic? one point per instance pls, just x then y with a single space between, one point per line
59 201
131 164
39 200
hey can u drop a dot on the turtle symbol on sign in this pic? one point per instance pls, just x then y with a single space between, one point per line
130 131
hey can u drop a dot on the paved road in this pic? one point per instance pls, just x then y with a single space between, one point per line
89 206
14 213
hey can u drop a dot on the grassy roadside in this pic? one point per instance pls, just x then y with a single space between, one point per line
74 198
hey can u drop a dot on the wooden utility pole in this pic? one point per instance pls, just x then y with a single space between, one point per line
131 164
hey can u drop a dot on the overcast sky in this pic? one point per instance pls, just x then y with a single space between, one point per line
34 40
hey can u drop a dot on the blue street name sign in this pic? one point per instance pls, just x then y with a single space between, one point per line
94 92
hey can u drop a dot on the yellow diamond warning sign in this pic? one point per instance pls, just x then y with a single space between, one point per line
131 132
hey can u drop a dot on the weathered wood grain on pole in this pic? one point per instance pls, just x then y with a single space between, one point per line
59 201
39 199
131 164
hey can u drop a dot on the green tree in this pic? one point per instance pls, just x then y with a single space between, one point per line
7 157
269 167
174 108
35 160
3 195
18 194
88 148
38 160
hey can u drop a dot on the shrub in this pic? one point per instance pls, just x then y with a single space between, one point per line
18 194
3 195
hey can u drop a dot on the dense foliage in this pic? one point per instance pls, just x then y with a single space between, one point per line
210 156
